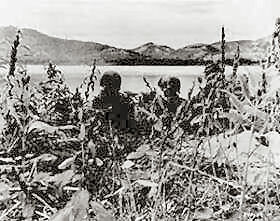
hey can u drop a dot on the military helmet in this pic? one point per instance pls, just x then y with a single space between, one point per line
111 79
172 82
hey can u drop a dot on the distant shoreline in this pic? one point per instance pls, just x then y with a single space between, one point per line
112 64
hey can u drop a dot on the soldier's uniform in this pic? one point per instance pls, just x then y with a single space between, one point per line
116 112
118 107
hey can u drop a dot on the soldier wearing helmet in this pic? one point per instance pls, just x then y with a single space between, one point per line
119 109
111 84
167 105
170 87
115 110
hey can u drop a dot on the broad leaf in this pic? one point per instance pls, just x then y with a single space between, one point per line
76 209
64 178
101 213
45 158
4 192
203 214
66 163
135 155
127 164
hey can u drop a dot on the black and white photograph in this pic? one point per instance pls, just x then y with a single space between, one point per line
140 110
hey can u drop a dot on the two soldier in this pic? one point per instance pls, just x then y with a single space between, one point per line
120 109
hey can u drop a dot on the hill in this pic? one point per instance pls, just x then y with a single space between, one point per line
39 48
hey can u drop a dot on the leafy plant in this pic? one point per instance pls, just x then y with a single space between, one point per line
216 158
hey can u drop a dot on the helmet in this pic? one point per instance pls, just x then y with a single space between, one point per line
171 82
111 79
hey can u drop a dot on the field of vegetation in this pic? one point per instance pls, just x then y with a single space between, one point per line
219 160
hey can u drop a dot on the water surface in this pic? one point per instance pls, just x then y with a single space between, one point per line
132 76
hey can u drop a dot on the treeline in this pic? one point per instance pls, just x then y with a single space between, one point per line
144 60
176 62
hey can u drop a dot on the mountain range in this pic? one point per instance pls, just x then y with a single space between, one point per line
39 48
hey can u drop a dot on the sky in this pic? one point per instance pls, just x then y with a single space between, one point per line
130 23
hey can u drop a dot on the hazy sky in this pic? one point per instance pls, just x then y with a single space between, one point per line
129 23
